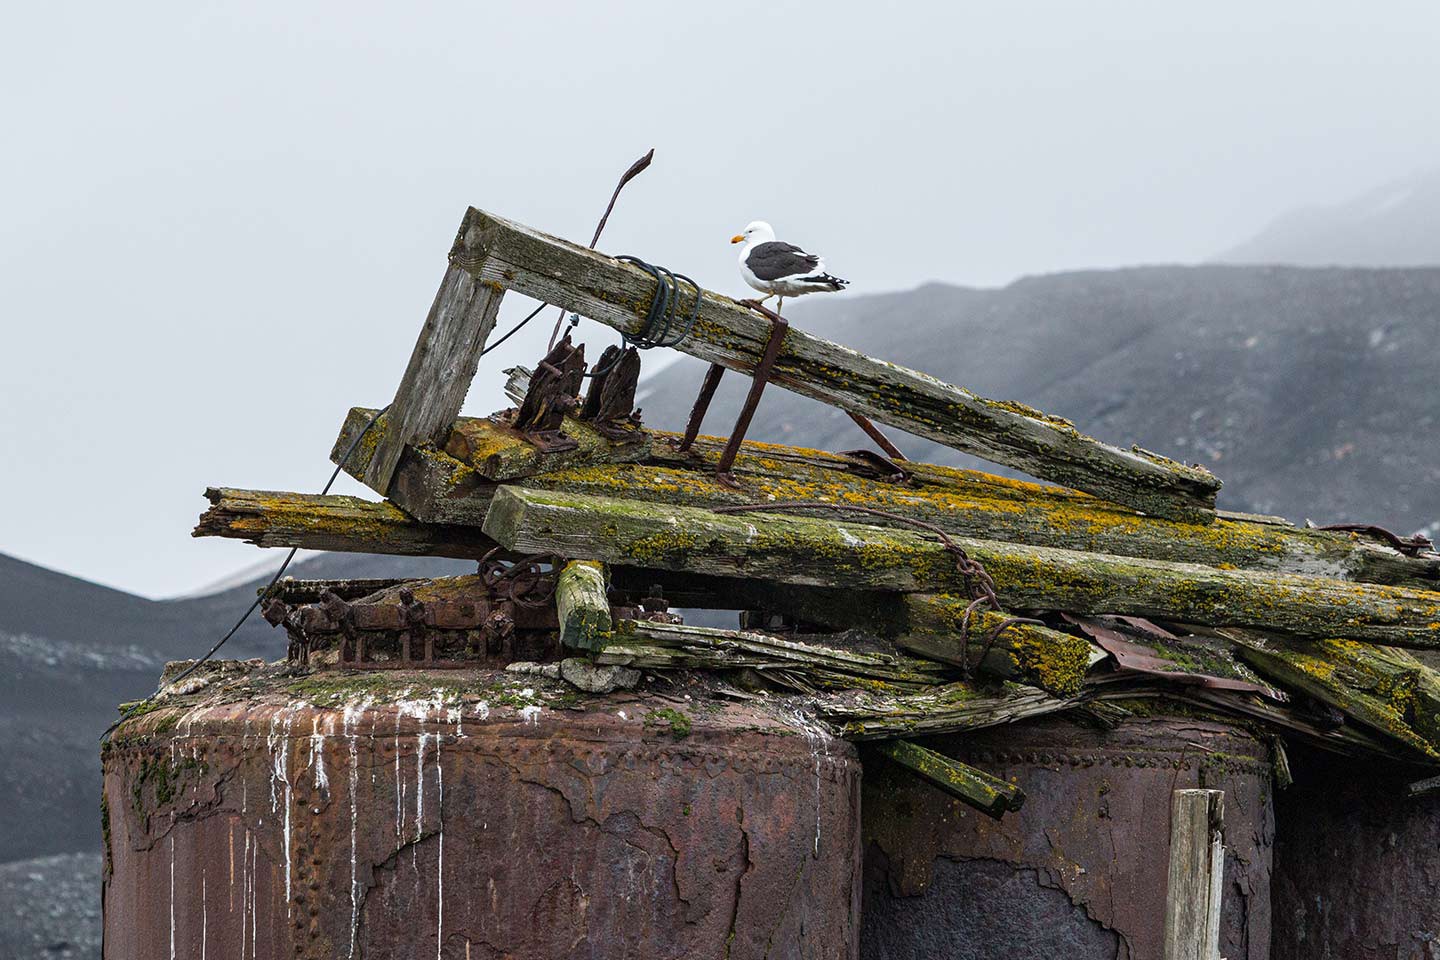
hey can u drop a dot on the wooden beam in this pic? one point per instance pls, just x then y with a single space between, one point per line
796 549
976 788
440 370
348 524
1055 662
1381 687
452 486
952 708
1197 868
617 294
583 609
642 643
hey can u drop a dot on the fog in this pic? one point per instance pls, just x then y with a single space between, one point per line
222 226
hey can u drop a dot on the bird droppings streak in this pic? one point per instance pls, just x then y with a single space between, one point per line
317 757
440 869
204 917
352 713
819 740
530 714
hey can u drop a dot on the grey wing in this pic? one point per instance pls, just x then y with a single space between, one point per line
774 260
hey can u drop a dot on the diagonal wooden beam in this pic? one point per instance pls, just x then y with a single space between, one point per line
796 549
499 251
441 367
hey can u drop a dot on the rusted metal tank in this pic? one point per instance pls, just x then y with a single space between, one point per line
406 814
1357 862
1080 871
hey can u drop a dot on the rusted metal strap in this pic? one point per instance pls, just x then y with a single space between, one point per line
876 434
702 404
1410 546
761 376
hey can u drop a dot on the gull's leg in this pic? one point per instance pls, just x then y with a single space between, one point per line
779 304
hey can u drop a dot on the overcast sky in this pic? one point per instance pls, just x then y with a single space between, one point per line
222 225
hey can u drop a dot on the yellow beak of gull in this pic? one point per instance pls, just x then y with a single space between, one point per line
737 239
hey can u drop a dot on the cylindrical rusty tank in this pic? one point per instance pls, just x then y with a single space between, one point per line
1357 862
1080 870
475 815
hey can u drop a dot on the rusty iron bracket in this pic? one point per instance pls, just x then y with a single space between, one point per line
610 402
551 395
868 463
761 376
875 433
702 404
1410 546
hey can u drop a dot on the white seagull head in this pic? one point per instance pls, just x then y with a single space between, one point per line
758 232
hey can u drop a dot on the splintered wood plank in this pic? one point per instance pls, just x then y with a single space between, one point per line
440 370
313 522
805 550
1195 882
976 788
618 294
581 605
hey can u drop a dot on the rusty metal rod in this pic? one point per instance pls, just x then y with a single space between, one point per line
875 433
761 376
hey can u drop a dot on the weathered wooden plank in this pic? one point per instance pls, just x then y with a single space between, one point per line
795 549
581 604
1197 866
618 294
976 788
952 708
642 643
1053 661
451 487
348 524
440 370
1381 687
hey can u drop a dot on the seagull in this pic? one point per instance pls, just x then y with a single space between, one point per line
779 269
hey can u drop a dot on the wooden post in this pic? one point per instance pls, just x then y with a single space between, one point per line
617 294
580 601
1197 868
440 370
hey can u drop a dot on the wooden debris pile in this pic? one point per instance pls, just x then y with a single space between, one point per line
895 599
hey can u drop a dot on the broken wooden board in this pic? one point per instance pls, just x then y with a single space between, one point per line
452 486
331 522
1051 660
1383 688
975 788
580 603
507 254
441 367
951 708
804 550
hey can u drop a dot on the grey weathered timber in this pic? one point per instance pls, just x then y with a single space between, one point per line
952 708
451 486
1027 653
440 370
804 550
581 604
976 788
617 294
1197 866
349 524
641 643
